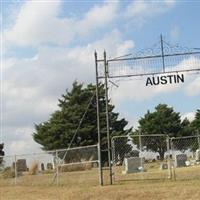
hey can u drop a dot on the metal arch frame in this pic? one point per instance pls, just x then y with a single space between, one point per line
106 76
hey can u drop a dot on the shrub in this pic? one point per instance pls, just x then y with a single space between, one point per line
8 172
34 168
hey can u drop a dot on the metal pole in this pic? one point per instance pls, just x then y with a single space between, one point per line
162 51
107 116
198 137
169 159
98 121
57 170
140 146
173 155
15 169
113 156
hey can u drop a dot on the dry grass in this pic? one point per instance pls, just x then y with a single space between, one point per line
76 167
34 168
83 185
8 173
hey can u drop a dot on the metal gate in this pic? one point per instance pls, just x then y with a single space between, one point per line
186 157
138 157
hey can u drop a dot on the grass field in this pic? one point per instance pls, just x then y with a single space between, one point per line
83 185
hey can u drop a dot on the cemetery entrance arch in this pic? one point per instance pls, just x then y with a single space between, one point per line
163 64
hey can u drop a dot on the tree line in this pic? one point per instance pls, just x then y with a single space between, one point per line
57 132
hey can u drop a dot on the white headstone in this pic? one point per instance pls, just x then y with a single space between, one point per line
133 164
193 162
180 160
163 166
198 155
187 163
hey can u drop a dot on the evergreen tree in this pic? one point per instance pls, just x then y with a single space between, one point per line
58 131
164 120
186 128
196 122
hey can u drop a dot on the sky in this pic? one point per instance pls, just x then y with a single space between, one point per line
46 45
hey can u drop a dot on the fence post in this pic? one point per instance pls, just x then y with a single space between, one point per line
113 150
169 158
198 137
15 169
57 169
113 156
173 167
140 146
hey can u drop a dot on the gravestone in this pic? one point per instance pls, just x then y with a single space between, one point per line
197 155
42 167
95 165
193 162
21 165
133 153
49 166
163 166
158 157
187 163
180 160
133 164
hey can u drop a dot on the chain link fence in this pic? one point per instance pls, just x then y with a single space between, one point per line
141 157
59 167
134 157
137 157
186 157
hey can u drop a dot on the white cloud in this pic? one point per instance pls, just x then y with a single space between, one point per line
98 16
33 85
190 116
136 89
20 141
142 10
193 88
38 23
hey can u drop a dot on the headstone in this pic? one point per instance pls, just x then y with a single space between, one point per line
180 160
133 153
95 165
106 164
42 167
198 155
193 162
163 166
168 156
49 166
21 165
133 164
187 163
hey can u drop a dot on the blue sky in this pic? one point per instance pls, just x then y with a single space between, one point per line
49 44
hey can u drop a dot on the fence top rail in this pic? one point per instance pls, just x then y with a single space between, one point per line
49 152
74 148
7 156
185 137
77 163
152 135
153 56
